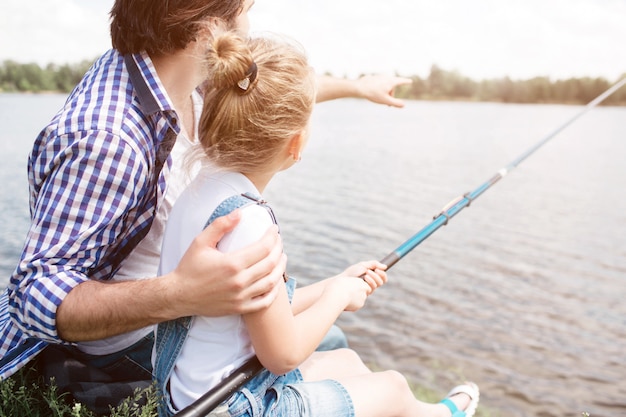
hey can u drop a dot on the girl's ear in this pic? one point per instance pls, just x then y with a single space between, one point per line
296 145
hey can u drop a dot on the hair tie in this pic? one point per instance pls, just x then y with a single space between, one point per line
247 81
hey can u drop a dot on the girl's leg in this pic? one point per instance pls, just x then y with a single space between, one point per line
387 394
378 394
332 364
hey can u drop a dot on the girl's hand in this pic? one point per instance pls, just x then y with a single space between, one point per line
352 292
372 272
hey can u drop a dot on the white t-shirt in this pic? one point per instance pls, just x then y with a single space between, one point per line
143 261
215 346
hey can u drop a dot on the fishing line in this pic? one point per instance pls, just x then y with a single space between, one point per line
214 397
456 205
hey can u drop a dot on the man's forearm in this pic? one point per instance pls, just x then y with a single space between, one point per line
96 310
375 88
332 88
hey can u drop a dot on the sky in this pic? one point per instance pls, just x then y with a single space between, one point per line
480 39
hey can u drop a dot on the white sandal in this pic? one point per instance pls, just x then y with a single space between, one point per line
471 390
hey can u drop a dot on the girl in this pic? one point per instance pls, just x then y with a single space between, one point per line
254 123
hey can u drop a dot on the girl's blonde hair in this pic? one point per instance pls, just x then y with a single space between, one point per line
244 129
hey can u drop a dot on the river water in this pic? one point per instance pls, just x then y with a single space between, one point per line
521 292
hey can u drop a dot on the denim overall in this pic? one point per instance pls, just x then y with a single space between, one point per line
171 335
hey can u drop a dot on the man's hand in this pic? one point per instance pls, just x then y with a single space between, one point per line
380 88
376 88
208 282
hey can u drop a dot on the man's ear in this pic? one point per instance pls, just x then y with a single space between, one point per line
213 27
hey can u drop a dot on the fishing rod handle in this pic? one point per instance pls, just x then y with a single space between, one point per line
208 403
390 260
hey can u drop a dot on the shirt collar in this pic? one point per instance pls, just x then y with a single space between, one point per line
150 92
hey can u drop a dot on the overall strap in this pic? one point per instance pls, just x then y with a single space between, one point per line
237 201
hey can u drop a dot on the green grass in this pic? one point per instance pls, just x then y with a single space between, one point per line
424 391
429 395
25 394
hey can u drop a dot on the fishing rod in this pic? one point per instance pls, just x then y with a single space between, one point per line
208 402
456 205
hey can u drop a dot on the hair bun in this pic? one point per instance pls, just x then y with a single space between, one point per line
230 61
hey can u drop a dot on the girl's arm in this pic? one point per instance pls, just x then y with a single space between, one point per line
282 340
304 297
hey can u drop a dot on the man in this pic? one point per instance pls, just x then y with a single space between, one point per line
85 294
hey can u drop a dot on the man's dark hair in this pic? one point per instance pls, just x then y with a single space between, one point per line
164 26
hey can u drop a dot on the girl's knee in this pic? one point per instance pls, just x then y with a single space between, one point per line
397 380
349 356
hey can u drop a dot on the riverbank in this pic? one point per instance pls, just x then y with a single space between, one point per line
440 84
25 395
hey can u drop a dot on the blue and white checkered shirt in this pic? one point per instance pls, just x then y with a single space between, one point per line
92 189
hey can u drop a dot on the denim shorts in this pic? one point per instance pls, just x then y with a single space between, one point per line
268 395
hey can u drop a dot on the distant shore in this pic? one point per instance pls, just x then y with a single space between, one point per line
451 85
440 84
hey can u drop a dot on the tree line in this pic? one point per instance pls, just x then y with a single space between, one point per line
438 85
16 77
451 85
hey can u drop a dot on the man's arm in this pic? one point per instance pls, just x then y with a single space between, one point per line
206 282
376 88
78 206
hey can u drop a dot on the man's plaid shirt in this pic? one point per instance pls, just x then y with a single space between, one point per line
92 188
